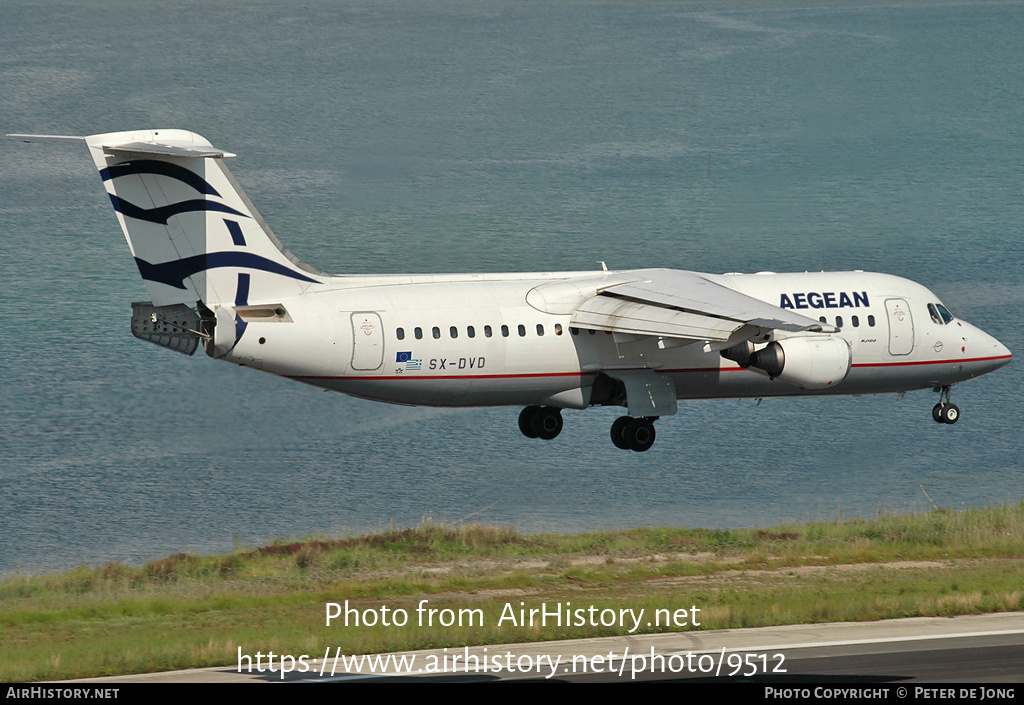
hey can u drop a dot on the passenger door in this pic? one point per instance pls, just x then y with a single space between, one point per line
901 327
367 341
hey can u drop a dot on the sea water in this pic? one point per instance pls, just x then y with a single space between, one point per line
408 136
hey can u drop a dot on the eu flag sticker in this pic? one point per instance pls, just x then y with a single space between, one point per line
403 356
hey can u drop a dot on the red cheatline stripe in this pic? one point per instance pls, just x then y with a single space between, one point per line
863 364
432 377
933 362
379 378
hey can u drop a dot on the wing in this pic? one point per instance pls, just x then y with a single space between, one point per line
684 306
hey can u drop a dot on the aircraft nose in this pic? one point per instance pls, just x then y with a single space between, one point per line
1002 352
983 350
997 353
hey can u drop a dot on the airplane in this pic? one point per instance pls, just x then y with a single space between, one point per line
640 339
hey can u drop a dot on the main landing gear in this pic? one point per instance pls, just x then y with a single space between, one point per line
633 434
945 411
540 422
628 433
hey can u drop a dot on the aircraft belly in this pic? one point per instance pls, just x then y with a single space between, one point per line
480 390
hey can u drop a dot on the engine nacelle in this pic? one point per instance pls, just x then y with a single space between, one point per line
809 362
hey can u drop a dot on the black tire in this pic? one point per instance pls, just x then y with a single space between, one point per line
526 421
950 413
937 413
618 432
546 423
640 434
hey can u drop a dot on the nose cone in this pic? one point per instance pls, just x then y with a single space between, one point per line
985 350
1002 353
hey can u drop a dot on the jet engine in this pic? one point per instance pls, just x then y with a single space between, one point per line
809 362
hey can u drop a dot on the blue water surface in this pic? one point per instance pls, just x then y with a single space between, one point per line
476 135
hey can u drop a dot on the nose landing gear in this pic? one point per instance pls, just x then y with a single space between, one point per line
945 411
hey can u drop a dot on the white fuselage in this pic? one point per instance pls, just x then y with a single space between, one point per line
641 339
476 340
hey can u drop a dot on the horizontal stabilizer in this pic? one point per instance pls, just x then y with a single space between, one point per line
167 150
162 148
68 139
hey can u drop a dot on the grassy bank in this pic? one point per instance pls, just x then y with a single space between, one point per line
186 611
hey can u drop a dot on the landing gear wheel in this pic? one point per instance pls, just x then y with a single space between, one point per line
526 421
945 411
950 413
546 422
618 432
633 434
640 434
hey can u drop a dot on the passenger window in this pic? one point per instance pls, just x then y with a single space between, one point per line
436 332
487 331
453 332
592 332
418 332
400 333
471 331
504 331
522 331
871 321
540 329
822 319
855 321
574 331
839 321
558 329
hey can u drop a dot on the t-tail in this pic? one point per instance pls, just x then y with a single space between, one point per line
204 252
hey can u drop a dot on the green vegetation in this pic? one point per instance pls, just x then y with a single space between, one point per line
189 611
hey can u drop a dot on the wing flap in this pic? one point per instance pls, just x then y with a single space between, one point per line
623 316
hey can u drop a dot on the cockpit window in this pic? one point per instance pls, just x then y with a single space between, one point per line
944 312
940 314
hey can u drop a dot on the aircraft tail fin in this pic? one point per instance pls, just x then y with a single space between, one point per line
194 234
